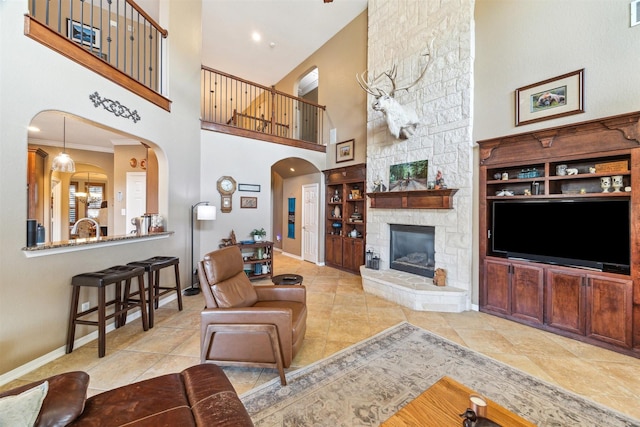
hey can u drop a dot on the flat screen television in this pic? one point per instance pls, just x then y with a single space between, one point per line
588 233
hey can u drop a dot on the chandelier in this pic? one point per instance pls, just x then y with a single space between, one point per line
87 196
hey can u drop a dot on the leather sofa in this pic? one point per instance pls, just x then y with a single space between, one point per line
246 325
200 395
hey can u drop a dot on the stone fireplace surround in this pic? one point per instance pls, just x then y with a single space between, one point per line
442 99
407 289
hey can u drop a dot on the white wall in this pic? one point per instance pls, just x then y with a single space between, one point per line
35 292
249 162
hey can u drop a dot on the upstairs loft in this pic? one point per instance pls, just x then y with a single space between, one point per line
121 42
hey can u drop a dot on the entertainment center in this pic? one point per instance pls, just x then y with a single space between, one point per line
559 244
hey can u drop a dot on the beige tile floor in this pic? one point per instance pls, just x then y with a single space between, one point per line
341 314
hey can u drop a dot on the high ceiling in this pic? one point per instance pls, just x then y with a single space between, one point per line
291 30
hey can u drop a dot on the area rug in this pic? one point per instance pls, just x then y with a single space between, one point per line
368 382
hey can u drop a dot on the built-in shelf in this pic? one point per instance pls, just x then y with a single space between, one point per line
419 199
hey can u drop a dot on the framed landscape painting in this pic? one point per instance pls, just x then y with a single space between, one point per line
409 176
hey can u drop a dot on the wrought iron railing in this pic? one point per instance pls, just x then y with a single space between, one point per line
117 31
239 103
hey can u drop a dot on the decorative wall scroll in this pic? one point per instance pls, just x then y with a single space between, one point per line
115 107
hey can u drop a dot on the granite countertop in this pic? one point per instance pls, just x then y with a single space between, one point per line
92 241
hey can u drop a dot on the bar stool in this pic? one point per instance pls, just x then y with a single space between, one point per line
122 303
153 266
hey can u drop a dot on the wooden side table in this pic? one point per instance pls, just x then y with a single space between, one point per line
287 279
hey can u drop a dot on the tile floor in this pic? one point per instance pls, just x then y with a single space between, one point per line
341 314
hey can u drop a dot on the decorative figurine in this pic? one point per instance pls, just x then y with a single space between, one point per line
378 185
440 185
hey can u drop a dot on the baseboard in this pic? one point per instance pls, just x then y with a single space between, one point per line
22 370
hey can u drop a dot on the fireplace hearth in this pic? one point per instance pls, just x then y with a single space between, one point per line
412 249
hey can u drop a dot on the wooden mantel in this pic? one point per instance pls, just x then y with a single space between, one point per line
419 199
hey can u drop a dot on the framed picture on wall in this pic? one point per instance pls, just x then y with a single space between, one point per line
556 97
83 34
249 202
344 151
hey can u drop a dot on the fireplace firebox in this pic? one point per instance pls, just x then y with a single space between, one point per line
412 249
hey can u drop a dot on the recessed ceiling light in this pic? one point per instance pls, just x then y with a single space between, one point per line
292 169
256 36
33 129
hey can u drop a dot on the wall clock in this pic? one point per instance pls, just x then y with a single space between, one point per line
226 188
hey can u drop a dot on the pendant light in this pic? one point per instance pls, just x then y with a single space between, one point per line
63 162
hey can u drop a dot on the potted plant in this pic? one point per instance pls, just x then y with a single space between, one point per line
258 234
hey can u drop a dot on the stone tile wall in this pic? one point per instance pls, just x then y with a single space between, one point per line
400 32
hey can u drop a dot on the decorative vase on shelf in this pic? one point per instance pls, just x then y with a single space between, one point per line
336 211
617 183
605 183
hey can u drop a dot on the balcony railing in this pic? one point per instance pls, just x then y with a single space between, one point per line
232 102
125 42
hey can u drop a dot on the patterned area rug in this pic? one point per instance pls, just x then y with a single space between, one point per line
368 382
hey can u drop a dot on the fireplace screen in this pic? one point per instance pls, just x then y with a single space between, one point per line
413 249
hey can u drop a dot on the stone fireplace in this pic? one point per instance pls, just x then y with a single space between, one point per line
442 100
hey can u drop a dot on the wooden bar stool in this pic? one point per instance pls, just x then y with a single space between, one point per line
153 266
122 303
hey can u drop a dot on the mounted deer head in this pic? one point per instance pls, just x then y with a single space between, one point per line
402 121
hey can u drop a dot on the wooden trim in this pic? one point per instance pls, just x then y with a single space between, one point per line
421 199
232 130
157 26
46 36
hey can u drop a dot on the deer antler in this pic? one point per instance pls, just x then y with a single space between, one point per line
394 71
368 85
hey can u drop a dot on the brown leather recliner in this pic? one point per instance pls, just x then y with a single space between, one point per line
246 325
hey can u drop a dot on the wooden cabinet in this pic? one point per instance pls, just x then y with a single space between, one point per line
258 259
35 184
565 300
594 305
514 289
564 163
345 217
609 310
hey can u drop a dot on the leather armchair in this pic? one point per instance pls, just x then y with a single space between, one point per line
246 325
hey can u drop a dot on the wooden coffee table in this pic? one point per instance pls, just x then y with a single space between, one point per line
442 404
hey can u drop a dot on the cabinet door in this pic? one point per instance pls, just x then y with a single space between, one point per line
565 304
334 250
353 254
609 310
527 293
497 294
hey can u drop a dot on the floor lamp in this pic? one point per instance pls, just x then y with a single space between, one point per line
204 213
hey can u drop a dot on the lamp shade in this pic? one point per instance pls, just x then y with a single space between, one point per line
63 163
206 213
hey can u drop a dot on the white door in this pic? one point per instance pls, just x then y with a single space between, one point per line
55 233
310 222
136 197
